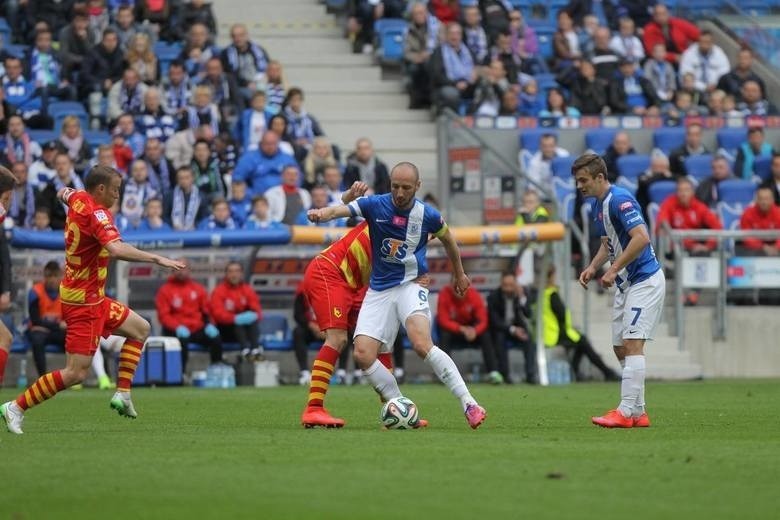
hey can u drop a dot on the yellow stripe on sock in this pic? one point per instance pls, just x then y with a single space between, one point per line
321 373
131 349
29 397
50 381
316 395
318 363
320 384
129 358
36 394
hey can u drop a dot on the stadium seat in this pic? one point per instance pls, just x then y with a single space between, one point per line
43 136
546 81
652 216
530 137
566 196
736 191
632 166
390 39
5 32
599 139
667 139
544 36
730 214
561 168
729 139
762 168
97 137
274 333
698 167
166 53
62 109
660 190
17 50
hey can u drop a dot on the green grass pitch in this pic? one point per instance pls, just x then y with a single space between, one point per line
713 452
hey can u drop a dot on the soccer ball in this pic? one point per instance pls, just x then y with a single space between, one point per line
399 414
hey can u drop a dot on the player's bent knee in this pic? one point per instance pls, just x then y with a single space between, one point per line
336 338
5 339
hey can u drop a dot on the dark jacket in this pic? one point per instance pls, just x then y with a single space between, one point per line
73 50
707 190
381 175
188 16
589 97
496 304
677 160
617 94
731 83
439 77
55 13
610 158
772 185
100 65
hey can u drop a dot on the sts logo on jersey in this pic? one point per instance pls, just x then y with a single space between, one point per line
393 250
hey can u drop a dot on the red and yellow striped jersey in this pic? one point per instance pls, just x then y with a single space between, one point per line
351 254
89 228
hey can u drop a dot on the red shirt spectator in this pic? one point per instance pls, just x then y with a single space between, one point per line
469 311
684 211
182 301
230 298
677 34
445 10
764 214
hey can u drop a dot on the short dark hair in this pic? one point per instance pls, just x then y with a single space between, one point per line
51 268
294 91
100 175
218 201
755 130
7 180
591 163
107 31
233 262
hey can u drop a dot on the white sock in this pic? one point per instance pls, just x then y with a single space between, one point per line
631 386
447 372
622 363
382 380
97 363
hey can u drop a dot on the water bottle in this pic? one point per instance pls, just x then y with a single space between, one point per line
475 373
554 372
21 381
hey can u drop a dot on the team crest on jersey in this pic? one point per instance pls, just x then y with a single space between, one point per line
229 305
393 250
626 205
101 216
78 206
414 228
337 312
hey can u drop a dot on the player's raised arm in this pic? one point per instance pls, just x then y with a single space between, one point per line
329 213
358 189
462 281
123 251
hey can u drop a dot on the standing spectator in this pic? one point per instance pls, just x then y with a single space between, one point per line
589 92
539 167
177 90
237 312
240 202
683 210
126 96
463 321
45 325
604 59
72 140
363 165
509 311
287 201
420 40
632 93
693 146
262 169
197 51
21 94
755 147
621 145
22 207
453 71
205 168
658 171
275 85
625 43
707 191
140 56
137 191
706 61
126 27
731 82
154 122
103 67
183 206
19 147
219 218
153 217
196 12
474 35
675 33
75 39
65 178
302 127
762 214
773 182
161 171
253 122
753 102
224 91
183 310
661 73
319 157
246 60
202 111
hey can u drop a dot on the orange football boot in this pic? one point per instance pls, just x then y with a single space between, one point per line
314 416
643 421
613 419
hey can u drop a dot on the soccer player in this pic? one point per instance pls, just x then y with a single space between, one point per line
90 240
399 226
637 274
7 185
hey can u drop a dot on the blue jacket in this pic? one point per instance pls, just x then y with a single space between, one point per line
21 94
243 126
240 210
261 172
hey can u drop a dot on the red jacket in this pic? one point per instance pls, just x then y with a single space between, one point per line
695 216
752 218
228 300
683 34
182 303
445 11
454 312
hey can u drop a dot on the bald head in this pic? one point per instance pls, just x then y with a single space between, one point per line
404 183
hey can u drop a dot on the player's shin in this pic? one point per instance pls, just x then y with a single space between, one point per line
321 372
129 357
45 387
3 361
444 368
382 380
632 385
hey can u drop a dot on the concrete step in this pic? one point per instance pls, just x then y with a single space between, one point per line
363 101
388 130
358 87
348 115
310 46
309 74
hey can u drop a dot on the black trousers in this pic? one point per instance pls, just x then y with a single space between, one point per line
419 84
214 345
448 340
38 340
583 347
302 338
248 336
502 343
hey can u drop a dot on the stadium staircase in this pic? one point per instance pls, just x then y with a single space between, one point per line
344 91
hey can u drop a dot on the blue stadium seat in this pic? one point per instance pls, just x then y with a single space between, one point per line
43 136
667 139
729 139
762 168
17 50
730 214
698 167
530 137
565 194
544 36
561 167
166 53
97 137
545 81
660 190
632 166
599 139
5 32
390 39
274 333
62 109
736 191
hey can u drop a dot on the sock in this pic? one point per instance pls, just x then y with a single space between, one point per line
444 368
97 364
129 357
622 363
3 361
321 372
631 386
45 387
386 358
382 380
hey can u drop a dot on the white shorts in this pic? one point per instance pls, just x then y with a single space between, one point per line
638 309
384 311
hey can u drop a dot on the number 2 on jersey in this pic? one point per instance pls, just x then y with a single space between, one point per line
74 234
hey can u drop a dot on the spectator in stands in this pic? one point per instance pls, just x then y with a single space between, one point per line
604 59
154 122
495 16
183 310
706 61
202 112
445 10
104 157
46 325
177 90
589 92
55 14
707 190
153 217
103 67
125 126
275 85
42 171
246 60
732 81
302 127
420 41
658 171
41 220
240 203
156 14
625 43
632 93
490 89
557 105
693 146
683 107
6 111
22 205
75 42
205 168
508 313
237 312
453 71
621 145
531 101
773 182
259 218
675 33
226 153
332 181
363 165
474 35
510 104
566 43
755 147
753 102
319 157
224 91
514 65
539 167
463 321
123 153
278 125
287 201
137 191
120 221
320 199
126 27
19 146
219 218
253 122
683 210
531 210
524 41
65 178
184 206
140 56
72 140
262 169
362 17
762 214
126 96
98 18
160 169
21 94
196 12
661 73
197 51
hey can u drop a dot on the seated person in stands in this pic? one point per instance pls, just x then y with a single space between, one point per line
632 93
319 157
419 42
692 146
254 121
508 326
261 169
136 192
184 206
287 201
762 214
589 93
332 181
302 127
364 165
46 325
205 169
510 104
683 210
658 171
755 147
153 220
202 111
240 203
235 307
557 105
41 220
20 147
558 330
463 321
245 60
531 101
154 122
753 102
259 218
65 178
183 310
220 217
683 107
531 210
72 140
661 73
773 182
19 92
707 191
22 206
225 92
320 199
453 70
620 146
540 166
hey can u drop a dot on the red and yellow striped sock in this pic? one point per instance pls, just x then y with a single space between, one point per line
386 358
129 357
321 371
3 361
45 387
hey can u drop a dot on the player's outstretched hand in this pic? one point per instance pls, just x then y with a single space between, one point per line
171 264
462 283
315 215
586 276
358 189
